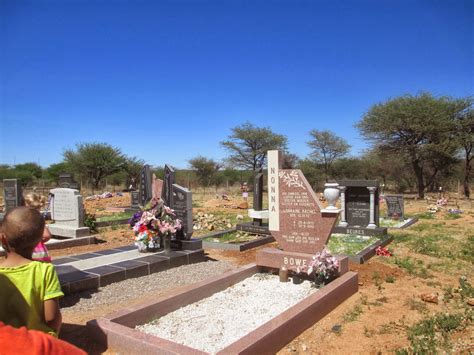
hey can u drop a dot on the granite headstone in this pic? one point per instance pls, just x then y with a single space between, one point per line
182 202
395 206
67 211
168 182
13 195
145 187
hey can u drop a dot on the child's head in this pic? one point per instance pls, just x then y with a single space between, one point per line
35 200
21 230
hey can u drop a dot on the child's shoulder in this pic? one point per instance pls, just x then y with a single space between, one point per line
32 266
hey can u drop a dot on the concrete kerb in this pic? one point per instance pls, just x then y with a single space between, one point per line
233 246
365 254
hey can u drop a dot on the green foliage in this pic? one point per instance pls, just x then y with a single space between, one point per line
132 168
353 314
451 216
205 169
432 334
416 305
418 127
412 266
27 173
326 148
52 172
390 279
90 222
248 145
426 215
96 161
349 244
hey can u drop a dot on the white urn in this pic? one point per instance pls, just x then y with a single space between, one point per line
331 194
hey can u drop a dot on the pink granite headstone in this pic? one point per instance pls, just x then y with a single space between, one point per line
156 187
296 220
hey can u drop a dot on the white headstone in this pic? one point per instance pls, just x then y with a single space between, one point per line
67 211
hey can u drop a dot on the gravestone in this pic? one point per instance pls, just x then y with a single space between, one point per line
298 222
395 206
257 226
66 180
135 199
145 187
12 194
182 202
167 192
67 211
156 187
359 208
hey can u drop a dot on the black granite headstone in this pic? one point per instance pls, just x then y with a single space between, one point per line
145 193
66 180
357 208
182 202
13 195
395 208
166 194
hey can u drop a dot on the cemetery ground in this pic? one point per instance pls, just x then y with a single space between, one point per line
419 299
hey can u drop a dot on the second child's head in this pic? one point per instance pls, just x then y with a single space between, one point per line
35 200
21 230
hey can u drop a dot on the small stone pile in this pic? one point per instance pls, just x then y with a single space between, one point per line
204 221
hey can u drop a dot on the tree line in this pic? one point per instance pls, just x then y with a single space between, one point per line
417 142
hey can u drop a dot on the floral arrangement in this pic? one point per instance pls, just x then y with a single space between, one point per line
153 224
382 251
323 267
454 211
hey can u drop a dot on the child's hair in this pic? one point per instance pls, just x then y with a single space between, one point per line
35 200
23 228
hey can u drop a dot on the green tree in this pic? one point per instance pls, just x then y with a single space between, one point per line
52 172
133 166
248 145
417 127
205 170
326 148
464 133
95 161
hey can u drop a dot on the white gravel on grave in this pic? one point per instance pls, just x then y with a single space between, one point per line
219 320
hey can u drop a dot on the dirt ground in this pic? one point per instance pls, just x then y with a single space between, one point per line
373 321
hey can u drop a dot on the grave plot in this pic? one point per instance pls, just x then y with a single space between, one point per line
396 217
235 240
297 240
358 248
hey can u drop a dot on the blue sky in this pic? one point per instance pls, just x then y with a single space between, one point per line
165 81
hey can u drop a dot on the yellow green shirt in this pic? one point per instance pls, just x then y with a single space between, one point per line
23 290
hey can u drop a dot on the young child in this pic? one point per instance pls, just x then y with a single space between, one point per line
29 289
40 252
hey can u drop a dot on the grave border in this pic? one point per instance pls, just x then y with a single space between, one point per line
116 330
264 239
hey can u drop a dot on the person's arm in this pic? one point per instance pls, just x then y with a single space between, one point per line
52 314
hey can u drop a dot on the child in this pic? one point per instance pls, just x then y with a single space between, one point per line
29 289
40 252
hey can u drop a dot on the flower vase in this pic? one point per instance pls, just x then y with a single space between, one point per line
142 248
167 244
331 194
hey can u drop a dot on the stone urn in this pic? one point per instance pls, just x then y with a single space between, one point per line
331 194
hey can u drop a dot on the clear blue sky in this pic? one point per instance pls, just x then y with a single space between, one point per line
166 80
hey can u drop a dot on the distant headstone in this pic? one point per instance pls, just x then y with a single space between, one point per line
359 208
182 202
12 194
258 191
67 211
395 206
257 226
66 180
167 192
135 199
145 187
156 187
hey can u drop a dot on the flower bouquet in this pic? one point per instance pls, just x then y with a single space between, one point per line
154 226
323 267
